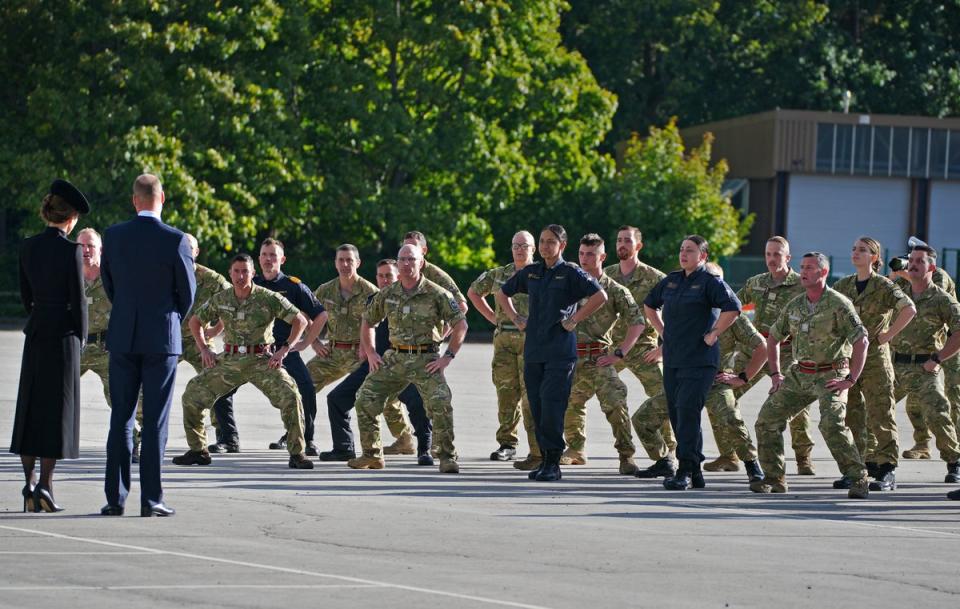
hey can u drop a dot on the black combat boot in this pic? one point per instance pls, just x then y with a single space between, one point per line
873 470
886 478
681 480
953 472
754 471
550 470
662 468
696 476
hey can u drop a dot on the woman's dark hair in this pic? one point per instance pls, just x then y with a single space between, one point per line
701 243
56 210
557 230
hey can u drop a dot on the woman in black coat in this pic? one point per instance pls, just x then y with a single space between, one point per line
48 400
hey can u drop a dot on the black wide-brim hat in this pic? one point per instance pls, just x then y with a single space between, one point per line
71 194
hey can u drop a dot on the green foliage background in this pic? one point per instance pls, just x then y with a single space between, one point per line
324 121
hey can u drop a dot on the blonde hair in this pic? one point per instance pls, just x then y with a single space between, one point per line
874 246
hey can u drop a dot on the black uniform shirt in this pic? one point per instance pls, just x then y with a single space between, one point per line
691 306
296 292
554 293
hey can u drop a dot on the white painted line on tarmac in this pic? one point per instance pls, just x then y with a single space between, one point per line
31 553
191 587
252 565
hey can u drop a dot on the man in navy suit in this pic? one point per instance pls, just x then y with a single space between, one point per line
147 272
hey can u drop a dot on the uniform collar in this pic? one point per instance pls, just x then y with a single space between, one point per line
280 276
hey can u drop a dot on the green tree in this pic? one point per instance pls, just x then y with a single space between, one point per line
669 192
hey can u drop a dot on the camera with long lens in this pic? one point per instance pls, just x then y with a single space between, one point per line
900 263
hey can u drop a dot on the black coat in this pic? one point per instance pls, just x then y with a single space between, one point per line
48 400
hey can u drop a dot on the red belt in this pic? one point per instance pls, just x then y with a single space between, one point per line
814 367
339 345
786 341
244 349
588 349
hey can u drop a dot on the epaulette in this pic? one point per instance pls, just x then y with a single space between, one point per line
294 279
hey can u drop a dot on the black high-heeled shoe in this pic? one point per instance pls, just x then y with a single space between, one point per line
27 493
43 500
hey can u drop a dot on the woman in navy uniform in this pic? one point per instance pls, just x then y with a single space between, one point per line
555 288
696 308
48 400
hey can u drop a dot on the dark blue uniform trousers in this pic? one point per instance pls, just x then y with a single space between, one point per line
686 391
548 391
341 400
128 372
293 364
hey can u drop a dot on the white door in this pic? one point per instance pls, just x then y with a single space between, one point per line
828 213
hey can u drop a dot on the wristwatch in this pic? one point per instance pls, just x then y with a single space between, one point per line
743 377
936 358
850 378
618 352
449 353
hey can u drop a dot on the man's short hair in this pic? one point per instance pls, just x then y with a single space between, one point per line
417 236
782 241
147 186
90 231
386 261
272 241
245 258
823 261
930 253
558 231
193 240
349 247
701 242
591 240
633 229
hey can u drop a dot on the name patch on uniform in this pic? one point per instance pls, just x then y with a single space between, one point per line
696 286
671 285
226 308
406 309
533 276
805 327
389 301
241 315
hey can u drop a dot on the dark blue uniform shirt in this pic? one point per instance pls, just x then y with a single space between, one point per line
554 293
691 306
297 293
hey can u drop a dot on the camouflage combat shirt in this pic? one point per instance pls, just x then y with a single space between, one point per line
344 314
620 305
824 335
415 318
768 298
490 283
740 338
98 306
877 306
640 282
250 321
937 313
440 277
209 282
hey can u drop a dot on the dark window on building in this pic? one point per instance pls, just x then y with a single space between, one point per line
954 162
881 151
844 149
938 153
918 153
825 147
861 149
901 151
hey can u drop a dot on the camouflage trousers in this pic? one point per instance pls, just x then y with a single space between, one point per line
795 394
871 410
507 372
589 380
231 372
729 430
925 392
96 359
651 377
951 380
191 355
801 434
396 372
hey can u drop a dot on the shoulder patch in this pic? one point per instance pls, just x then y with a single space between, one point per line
294 279
453 305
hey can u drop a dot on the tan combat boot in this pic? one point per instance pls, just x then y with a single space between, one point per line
366 461
573 457
628 466
769 485
860 489
723 463
529 464
805 466
919 451
404 445
449 466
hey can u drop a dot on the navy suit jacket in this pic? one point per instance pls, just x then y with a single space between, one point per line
148 274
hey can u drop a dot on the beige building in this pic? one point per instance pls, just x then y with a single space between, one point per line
822 179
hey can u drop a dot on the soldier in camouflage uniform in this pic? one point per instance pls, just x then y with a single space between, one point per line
871 410
417 310
507 363
951 376
595 373
209 282
769 293
644 360
921 347
442 279
729 430
247 312
830 344
95 356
